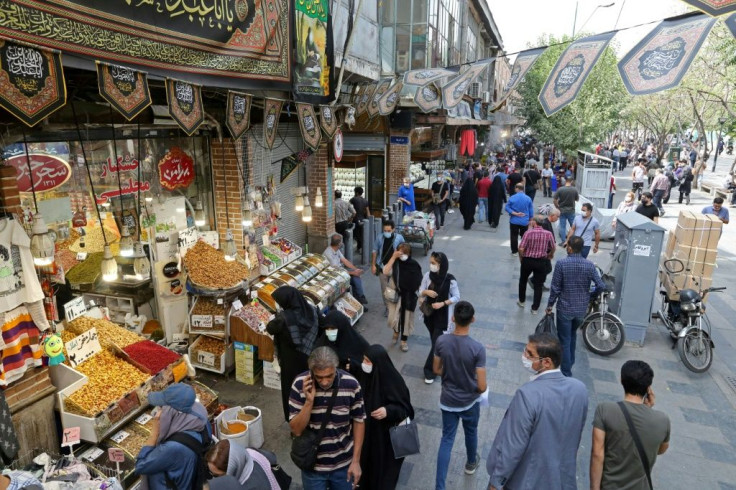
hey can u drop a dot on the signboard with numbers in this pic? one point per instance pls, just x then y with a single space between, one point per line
74 308
206 358
116 455
70 436
201 321
82 347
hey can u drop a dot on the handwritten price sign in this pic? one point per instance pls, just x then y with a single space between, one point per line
71 436
116 455
74 308
82 347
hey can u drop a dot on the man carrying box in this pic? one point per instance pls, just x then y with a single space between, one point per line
718 210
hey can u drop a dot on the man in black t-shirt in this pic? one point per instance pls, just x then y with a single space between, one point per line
647 208
513 179
531 179
441 193
362 211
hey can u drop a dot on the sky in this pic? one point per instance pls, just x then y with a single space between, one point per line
521 22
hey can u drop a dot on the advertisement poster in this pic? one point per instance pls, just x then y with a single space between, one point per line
313 52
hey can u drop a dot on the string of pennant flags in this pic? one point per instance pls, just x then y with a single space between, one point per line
32 85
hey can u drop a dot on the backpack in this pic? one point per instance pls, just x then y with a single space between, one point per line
201 472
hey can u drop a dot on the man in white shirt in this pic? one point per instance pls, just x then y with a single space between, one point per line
637 176
336 259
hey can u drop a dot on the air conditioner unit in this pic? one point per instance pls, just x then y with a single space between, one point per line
474 90
486 97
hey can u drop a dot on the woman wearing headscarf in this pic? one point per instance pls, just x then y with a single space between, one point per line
251 469
439 287
387 403
628 205
164 460
468 203
496 198
407 276
339 335
295 330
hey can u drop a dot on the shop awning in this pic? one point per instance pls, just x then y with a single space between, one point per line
427 155
450 121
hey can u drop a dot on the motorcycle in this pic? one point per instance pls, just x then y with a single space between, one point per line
687 322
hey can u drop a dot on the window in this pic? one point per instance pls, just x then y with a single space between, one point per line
419 11
419 46
387 49
403 37
472 46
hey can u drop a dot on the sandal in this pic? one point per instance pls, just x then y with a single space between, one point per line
395 338
404 346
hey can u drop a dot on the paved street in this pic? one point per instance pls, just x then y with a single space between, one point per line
702 450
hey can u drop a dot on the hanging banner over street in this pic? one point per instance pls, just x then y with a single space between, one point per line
453 91
233 40
381 89
660 60
714 7
311 133
364 97
390 99
271 114
32 83
730 22
238 113
427 75
290 163
185 104
328 120
524 62
571 71
314 59
125 89
428 98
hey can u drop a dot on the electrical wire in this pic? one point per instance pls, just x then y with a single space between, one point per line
140 164
224 182
30 171
117 164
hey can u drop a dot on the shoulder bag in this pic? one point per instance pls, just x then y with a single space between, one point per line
404 439
637 443
305 446
391 293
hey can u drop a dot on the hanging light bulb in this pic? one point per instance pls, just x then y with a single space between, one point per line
307 211
106 204
228 248
109 266
42 246
299 203
318 198
199 217
141 264
126 243
247 217
148 197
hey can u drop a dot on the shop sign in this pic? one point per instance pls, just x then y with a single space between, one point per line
127 187
82 347
49 172
176 170
75 308
124 164
399 140
337 145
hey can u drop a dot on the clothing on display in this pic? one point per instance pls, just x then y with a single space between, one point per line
467 142
8 441
22 349
18 281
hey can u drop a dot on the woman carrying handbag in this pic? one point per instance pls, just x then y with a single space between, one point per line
405 276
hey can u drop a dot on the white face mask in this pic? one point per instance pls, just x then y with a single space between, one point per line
331 335
367 368
434 268
404 258
528 364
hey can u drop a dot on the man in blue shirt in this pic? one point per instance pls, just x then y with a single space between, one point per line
406 196
718 209
521 210
571 286
383 248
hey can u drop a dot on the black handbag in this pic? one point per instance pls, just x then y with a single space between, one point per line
404 439
305 446
426 307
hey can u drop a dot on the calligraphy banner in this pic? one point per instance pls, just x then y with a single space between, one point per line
571 71
730 22
381 89
364 97
428 75
314 59
714 7
271 114
523 63
185 104
390 99
223 42
428 98
290 163
32 83
328 120
660 60
308 123
238 113
453 91
125 89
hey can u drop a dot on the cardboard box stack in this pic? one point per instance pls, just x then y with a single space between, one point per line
695 243
248 368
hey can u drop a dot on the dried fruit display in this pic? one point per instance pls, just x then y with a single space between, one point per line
65 244
207 306
107 332
208 268
208 344
86 272
205 396
65 259
93 240
150 355
110 378
135 437
253 314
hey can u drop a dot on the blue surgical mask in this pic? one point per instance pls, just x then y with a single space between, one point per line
388 234
331 334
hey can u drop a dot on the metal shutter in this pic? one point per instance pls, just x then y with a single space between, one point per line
364 142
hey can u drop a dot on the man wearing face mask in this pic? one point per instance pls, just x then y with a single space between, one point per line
537 442
588 228
647 207
406 196
384 246
336 259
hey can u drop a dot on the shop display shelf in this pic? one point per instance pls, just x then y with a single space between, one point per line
351 307
205 360
218 323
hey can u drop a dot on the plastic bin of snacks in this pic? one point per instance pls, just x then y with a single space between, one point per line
130 439
290 249
254 315
265 290
212 354
316 260
314 293
208 316
301 272
351 307
206 396
272 263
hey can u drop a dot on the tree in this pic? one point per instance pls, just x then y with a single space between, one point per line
594 114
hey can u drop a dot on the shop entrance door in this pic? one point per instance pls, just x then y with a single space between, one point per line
376 182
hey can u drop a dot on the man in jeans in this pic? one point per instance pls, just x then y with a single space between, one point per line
571 286
659 189
461 361
521 210
614 459
564 200
535 251
483 185
338 453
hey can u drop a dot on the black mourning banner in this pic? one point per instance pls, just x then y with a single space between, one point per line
381 89
428 98
271 114
328 120
185 104
714 7
124 88
309 125
31 82
238 113
290 163
390 99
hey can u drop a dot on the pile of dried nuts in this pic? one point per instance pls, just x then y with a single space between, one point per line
107 332
207 267
206 306
213 346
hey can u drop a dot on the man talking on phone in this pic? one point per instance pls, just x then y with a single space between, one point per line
338 453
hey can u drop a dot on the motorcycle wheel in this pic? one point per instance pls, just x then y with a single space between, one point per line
695 351
603 333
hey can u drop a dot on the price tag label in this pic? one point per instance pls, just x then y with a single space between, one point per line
81 256
116 455
201 321
266 240
180 337
220 319
143 419
120 436
74 308
237 305
206 358
187 239
82 347
71 436
92 454
220 301
254 295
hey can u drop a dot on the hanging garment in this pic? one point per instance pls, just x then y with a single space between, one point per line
467 142
18 281
22 348
8 441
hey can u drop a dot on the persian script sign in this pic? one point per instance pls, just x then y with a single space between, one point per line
238 113
176 170
308 123
125 89
49 172
524 62
185 104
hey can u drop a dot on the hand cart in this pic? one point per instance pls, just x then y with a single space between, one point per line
416 236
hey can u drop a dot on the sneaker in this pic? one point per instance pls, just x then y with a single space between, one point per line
534 312
514 254
471 467
520 304
428 381
404 347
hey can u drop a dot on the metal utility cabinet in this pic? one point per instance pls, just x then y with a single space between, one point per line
593 178
638 246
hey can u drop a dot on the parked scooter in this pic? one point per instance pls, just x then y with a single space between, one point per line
687 322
